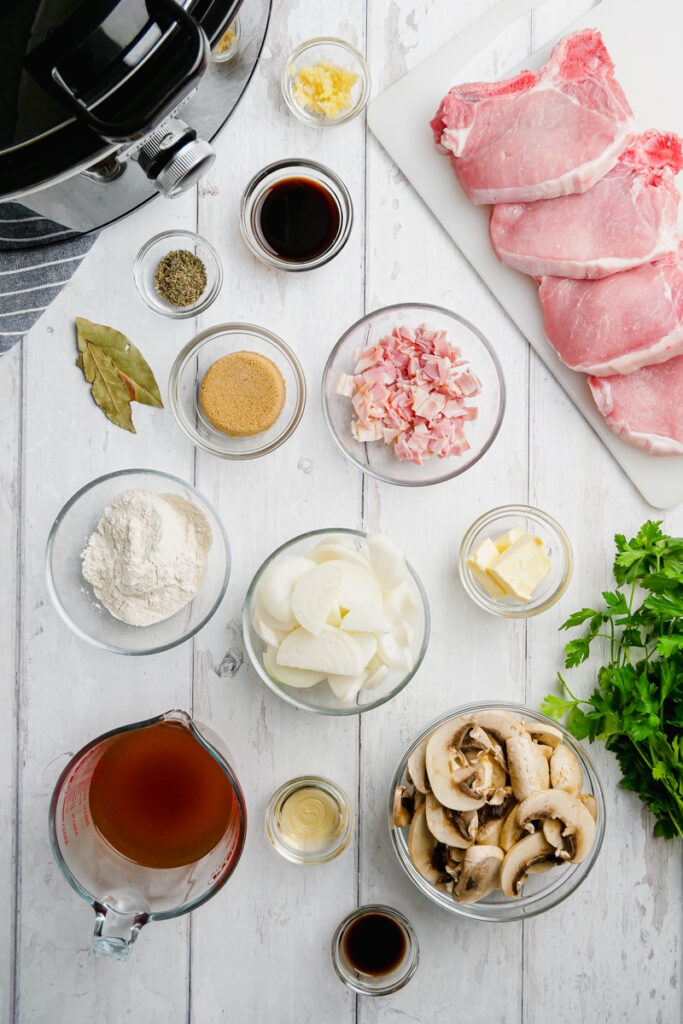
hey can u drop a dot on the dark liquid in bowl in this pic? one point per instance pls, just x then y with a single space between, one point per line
374 944
297 219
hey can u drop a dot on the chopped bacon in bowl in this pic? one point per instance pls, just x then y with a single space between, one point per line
422 393
412 390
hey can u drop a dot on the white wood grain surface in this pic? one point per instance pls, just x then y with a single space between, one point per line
259 952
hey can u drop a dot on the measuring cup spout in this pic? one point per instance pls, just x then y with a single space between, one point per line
115 933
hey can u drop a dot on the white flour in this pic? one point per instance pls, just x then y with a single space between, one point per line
147 558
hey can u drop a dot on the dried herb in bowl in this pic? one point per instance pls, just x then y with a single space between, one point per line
180 277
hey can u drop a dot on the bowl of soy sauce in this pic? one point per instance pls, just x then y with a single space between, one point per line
296 215
375 950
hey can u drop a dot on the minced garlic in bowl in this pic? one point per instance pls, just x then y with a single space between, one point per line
325 82
228 45
324 88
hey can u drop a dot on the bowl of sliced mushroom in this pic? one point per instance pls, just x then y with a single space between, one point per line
496 812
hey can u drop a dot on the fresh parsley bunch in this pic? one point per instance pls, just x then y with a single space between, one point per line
637 706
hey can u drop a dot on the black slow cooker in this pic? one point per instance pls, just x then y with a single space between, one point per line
108 102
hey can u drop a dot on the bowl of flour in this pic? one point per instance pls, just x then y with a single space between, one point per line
137 561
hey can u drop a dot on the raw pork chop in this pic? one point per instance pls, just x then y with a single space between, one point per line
538 135
627 219
620 323
645 408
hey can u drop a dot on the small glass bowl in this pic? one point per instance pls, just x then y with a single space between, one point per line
542 891
555 541
279 171
74 598
320 698
188 372
367 984
296 854
233 50
378 459
334 51
148 259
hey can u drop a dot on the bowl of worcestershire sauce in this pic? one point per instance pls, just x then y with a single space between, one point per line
375 950
296 215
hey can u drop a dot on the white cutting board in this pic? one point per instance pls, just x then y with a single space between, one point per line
644 38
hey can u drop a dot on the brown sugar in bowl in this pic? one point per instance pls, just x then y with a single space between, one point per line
242 394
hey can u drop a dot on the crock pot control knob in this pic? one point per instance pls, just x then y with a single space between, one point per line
174 158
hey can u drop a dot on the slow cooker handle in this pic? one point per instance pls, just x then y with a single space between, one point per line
193 38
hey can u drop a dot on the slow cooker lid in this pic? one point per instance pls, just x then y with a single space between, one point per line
100 48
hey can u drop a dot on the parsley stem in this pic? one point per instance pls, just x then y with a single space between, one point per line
613 640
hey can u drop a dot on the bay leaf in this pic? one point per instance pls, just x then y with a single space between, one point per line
108 389
135 371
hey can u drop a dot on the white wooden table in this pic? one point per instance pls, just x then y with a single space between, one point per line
259 952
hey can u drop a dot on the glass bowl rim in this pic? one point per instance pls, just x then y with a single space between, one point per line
179 312
346 116
467 909
52 589
282 794
253 188
259 668
197 342
392 307
414 945
511 611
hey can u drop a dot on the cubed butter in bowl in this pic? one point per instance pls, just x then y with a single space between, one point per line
515 561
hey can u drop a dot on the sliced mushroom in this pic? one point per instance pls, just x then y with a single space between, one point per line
480 873
498 723
565 770
545 750
452 862
488 780
511 831
441 825
447 769
531 851
489 832
466 822
543 732
475 741
424 850
415 771
459 735
495 791
527 766
418 799
578 826
498 805
446 886
403 807
588 801
541 865
552 830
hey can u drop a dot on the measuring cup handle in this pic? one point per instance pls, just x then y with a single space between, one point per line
115 933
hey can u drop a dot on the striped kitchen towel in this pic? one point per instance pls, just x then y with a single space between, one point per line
30 278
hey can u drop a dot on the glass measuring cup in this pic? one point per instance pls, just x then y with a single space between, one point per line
124 894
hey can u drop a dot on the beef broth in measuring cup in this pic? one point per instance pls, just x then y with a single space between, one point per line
159 797
145 821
